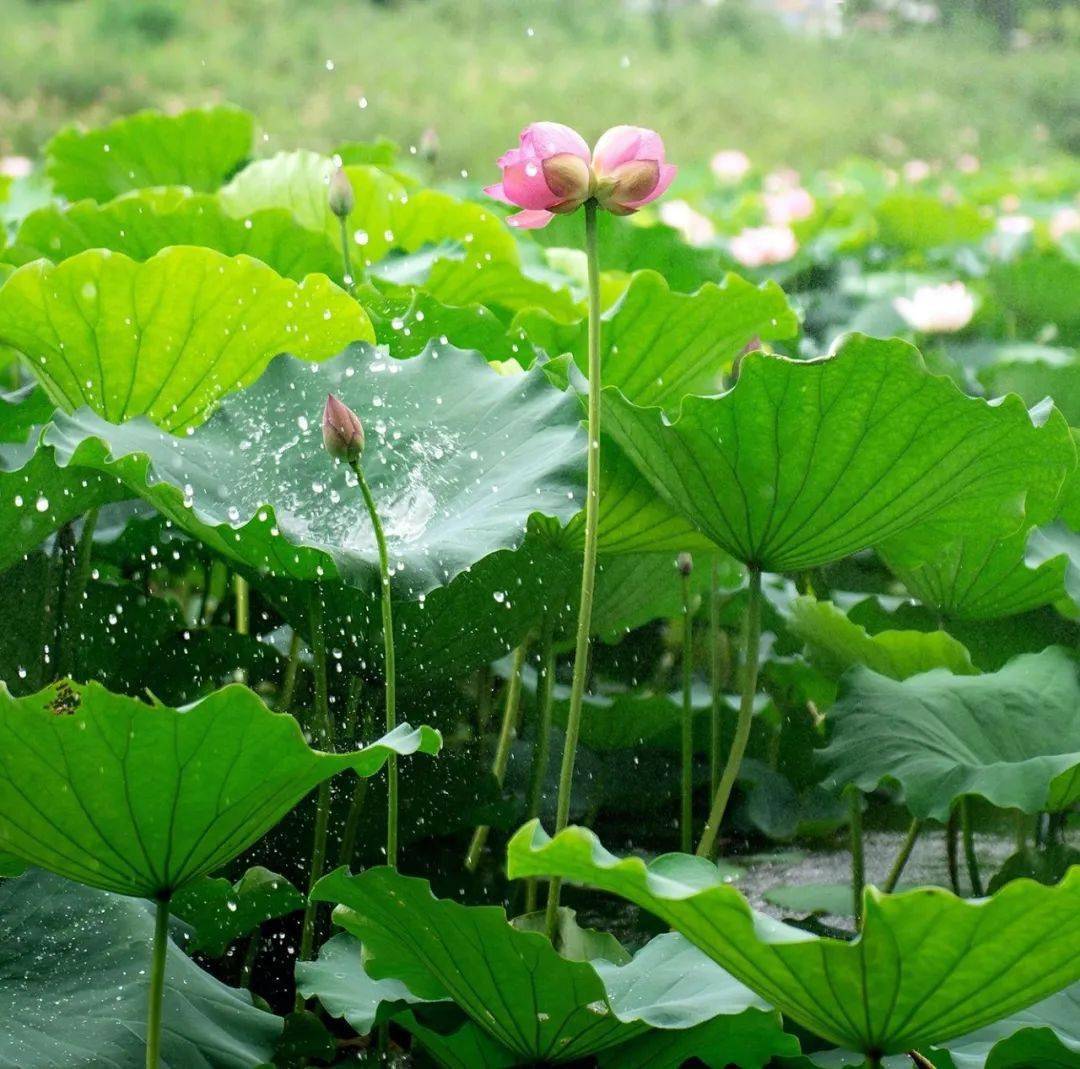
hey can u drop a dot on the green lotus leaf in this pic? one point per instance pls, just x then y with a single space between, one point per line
142 800
1035 374
1040 289
143 223
458 457
806 462
387 213
1011 736
924 221
512 983
502 285
835 643
926 967
38 497
221 911
21 411
198 148
168 337
340 982
658 345
74 977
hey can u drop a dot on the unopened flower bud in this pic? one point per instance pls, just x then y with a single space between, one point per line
342 432
340 196
685 563
429 144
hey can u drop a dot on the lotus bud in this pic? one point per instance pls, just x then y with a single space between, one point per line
685 563
340 196
342 432
429 145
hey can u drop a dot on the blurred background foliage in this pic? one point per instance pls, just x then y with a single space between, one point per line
804 82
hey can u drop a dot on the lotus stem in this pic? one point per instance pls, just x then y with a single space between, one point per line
507 731
74 595
858 862
324 731
242 603
250 954
356 805
545 690
288 684
60 569
346 259
588 571
969 847
716 672
751 643
686 816
157 982
952 860
902 857
389 666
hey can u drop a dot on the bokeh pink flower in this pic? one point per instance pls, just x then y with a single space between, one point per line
552 172
696 229
788 206
16 166
1064 221
730 165
942 309
760 246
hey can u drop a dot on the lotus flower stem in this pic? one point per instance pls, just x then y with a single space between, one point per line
288 684
323 736
157 983
969 847
858 861
951 850
356 806
588 571
389 664
544 691
686 815
716 673
247 968
346 259
751 644
242 602
74 594
502 750
902 857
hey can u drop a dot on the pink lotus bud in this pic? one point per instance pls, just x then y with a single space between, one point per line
429 144
340 196
730 165
342 432
552 172
763 245
937 309
685 564
788 206
916 171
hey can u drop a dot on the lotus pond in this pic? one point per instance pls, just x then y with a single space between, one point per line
640 635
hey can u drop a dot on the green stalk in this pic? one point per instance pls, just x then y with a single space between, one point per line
969 847
356 805
346 259
242 602
858 863
157 983
716 674
288 684
390 671
751 643
74 593
951 850
502 749
324 731
686 816
588 571
902 857
250 954
545 688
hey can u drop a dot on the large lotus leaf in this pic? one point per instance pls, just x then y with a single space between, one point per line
198 148
926 967
835 643
1039 290
143 799
37 496
512 983
74 977
167 337
658 345
22 410
983 578
1037 374
143 223
924 221
502 285
221 911
1011 737
387 214
806 462
458 457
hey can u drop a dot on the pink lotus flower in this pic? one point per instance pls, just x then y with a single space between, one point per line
15 166
1064 221
941 309
757 246
788 206
696 229
916 171
553 173
730 165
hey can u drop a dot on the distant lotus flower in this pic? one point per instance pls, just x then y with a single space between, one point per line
779 180
429 144
342 431
967 163
788 206
916 171
553 173
942 309
730 165
15 166
761 245
1064 221
696 229
1015 225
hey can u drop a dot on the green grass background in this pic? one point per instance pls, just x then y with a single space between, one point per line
477 70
